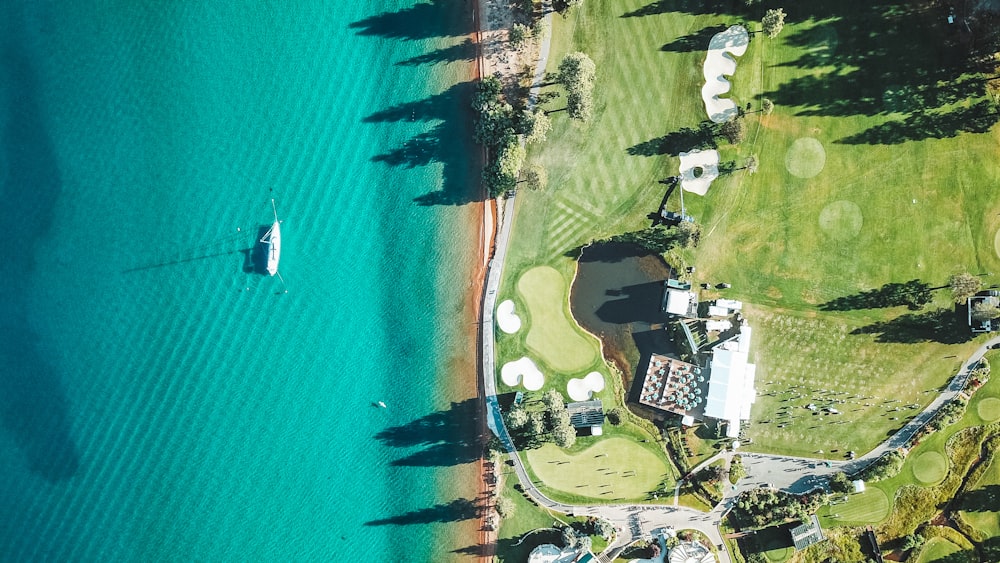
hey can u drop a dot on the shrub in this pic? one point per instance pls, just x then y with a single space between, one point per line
883 468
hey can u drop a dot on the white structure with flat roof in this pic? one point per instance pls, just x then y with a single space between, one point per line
731 391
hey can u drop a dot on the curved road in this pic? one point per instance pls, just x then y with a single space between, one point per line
788 473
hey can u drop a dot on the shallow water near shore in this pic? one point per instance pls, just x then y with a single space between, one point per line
160 399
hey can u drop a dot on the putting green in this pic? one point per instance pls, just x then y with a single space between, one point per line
868 507
614 468
552 336
805 158
841 220
929 467
989 409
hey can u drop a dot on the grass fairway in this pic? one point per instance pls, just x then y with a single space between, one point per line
987 519
929 467
989 409
553 336
877 165
937 549
868 507
612 469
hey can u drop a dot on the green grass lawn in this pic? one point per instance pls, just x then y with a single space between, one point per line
862 508
614 469
937 549
553 337
857 186
987 520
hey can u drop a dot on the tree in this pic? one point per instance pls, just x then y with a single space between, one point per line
688 234
504 507
964 286
766 106
840 483
580 105
563 6
519 35
536 424
517 417
773 21
553 400
535 177
577 73
535 125
734 131
615 416
751 164
604 528
983 311
563 433
576 70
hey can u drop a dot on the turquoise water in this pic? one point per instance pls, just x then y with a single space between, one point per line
158 400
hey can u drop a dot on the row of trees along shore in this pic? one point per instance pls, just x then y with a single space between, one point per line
502 124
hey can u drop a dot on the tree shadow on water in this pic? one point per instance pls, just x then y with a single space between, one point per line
34 410
422 20
445 142
444 438
464 51
453 511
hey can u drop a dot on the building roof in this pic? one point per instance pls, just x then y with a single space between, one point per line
807 534
586 413
678 299
731 390
674 386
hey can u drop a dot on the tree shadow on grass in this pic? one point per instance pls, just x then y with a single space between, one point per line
892 294
697 41
978 118
444 438
730 7
440 143
983 499
883 58
941 325
683 140
454 511
513 549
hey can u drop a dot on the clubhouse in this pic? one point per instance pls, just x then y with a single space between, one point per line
723 390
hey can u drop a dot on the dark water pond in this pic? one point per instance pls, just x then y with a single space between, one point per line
616 296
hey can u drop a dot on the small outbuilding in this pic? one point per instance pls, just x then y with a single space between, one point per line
859 485
587 414
807 534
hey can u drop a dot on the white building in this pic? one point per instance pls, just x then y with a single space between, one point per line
731 391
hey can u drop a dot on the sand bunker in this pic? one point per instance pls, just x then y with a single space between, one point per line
719 63
507 320
522 371
698 169
583 389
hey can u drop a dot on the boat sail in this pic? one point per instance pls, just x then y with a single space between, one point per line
272 243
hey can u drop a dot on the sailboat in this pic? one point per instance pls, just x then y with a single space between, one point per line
272 243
